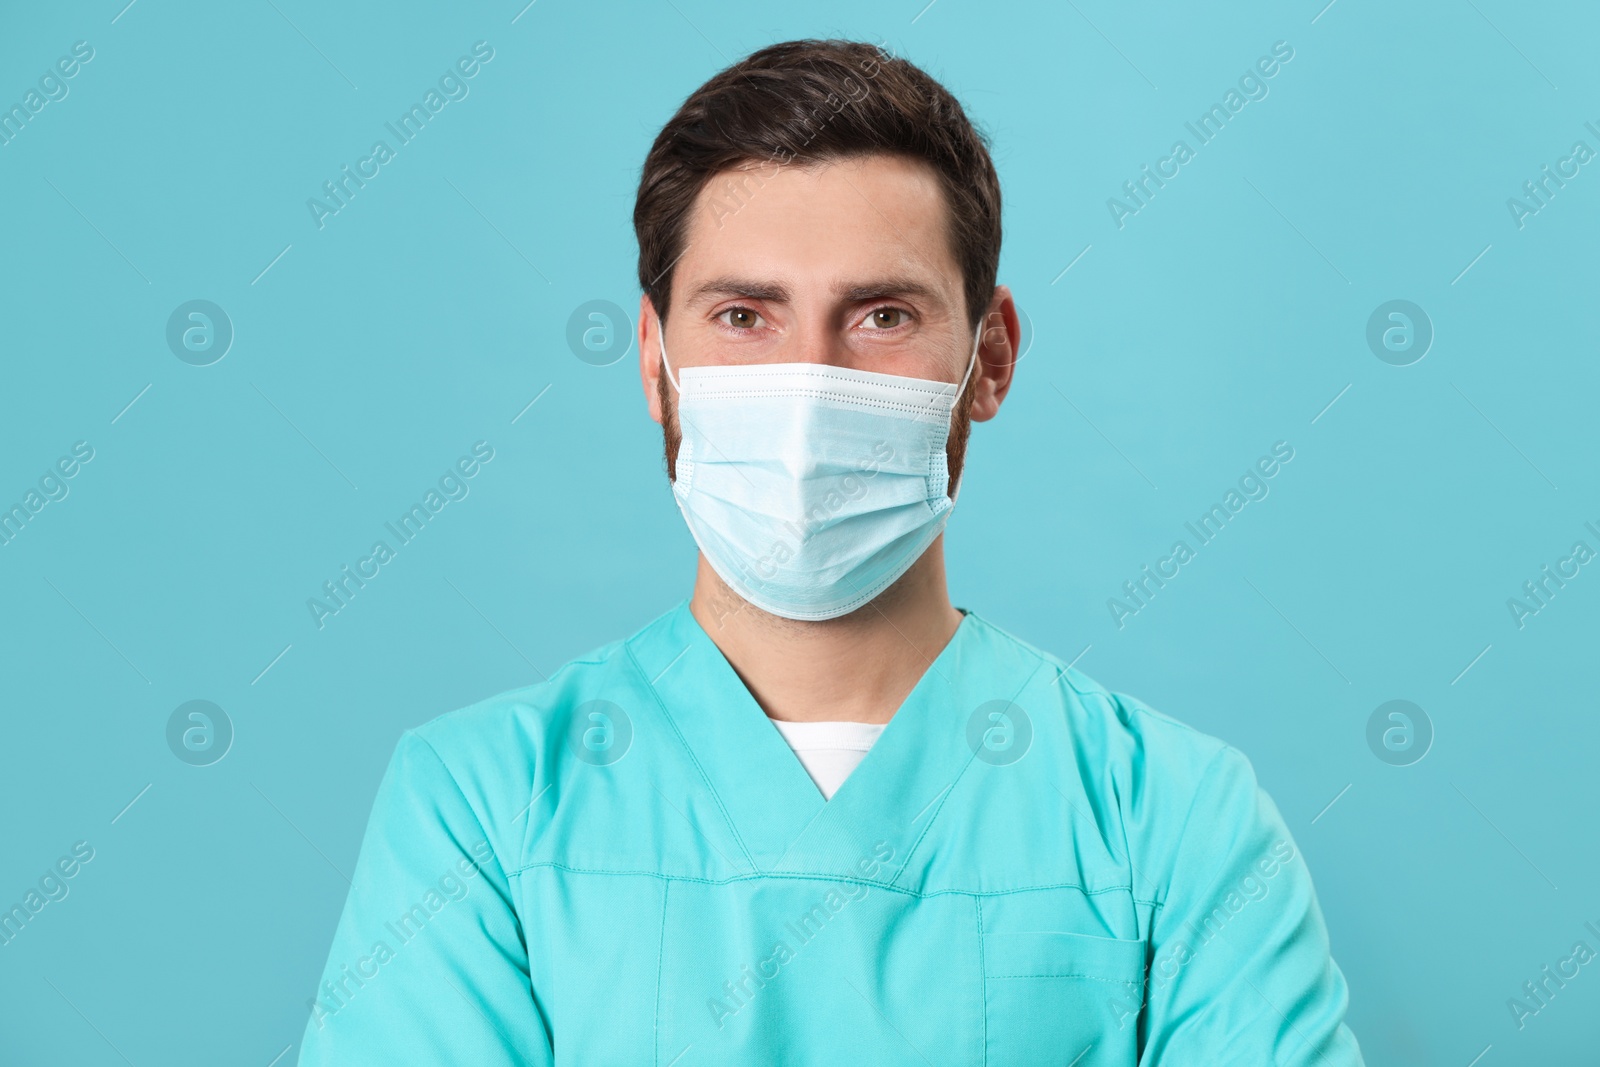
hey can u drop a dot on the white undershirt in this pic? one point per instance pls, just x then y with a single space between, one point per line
829 751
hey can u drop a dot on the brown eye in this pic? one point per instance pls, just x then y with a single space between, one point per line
741 318
888 318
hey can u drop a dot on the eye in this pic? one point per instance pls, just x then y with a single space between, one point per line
740 318
887 318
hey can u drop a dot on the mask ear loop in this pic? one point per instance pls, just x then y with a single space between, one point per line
977 340
962 388
661 343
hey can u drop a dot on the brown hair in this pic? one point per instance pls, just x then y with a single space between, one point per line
811 101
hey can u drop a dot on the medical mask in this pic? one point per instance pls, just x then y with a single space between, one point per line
811 488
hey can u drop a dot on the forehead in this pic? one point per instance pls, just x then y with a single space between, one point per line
841 220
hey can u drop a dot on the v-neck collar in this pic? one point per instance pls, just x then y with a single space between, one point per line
774 810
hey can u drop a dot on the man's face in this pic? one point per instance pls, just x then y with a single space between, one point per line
846 263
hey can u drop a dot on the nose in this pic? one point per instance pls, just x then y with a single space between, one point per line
820 341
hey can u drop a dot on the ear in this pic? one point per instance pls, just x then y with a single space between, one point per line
998 352
650 356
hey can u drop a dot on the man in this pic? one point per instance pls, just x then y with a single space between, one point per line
816 814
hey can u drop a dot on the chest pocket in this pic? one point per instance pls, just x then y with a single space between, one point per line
1050 996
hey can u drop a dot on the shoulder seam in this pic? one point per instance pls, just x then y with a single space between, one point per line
476 818
1199 788
514 695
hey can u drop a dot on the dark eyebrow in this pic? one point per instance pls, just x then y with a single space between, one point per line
886 287
856 293
719 287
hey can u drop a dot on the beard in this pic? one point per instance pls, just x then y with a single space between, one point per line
955 449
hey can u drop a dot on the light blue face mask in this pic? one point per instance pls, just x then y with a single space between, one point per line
811 488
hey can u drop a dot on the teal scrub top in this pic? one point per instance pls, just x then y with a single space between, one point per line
625 864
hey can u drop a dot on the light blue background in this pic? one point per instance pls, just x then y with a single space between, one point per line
1223 317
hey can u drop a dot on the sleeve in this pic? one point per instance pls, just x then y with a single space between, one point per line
1240 970
428 963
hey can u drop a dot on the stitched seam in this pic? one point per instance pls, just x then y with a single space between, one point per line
935 457
475 816
683 463
511 895
1092 977
801 876
661 962
912 851
983 983
506 697
737 374
886 405
951 791
689 752
1199 788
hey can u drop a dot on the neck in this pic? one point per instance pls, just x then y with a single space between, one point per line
857 668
